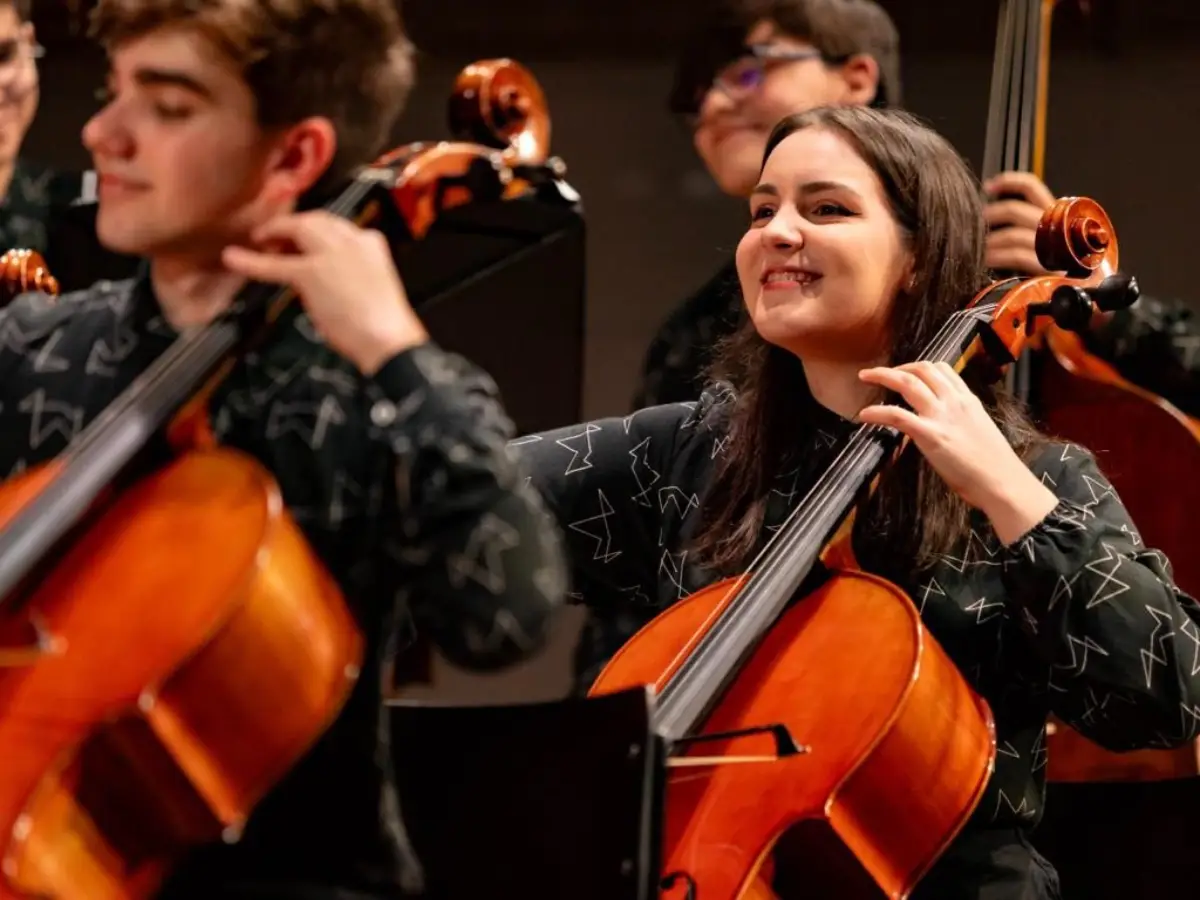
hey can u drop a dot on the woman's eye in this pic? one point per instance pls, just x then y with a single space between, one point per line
831 209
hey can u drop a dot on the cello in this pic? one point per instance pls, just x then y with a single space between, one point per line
128 733
887 751
1147 447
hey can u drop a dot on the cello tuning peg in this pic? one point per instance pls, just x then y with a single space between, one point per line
1117 291
1072 306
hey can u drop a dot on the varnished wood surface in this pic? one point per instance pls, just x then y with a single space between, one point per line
900 746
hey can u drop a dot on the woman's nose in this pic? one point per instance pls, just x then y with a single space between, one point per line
783 232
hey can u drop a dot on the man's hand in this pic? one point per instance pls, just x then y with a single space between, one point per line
1010 247
344 276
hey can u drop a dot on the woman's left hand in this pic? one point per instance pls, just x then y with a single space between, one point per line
953 430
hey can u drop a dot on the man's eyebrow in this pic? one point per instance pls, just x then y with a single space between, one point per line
150 76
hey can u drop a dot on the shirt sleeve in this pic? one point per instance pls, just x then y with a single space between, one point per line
614 485
1120 638
28 319
480 561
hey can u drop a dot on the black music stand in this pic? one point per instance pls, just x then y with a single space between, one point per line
503 284
541 801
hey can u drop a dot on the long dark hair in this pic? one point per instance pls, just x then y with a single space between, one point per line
913 514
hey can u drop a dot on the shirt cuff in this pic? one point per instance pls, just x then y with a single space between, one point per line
406 372
1054 549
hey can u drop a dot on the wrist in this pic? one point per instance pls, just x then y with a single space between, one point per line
1019 506
381 347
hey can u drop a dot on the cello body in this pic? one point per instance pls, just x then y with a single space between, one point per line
898 747
147 704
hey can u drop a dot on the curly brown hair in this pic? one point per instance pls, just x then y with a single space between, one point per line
913 515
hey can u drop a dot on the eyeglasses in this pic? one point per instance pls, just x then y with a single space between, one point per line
746 74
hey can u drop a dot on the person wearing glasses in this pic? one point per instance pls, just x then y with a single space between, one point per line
750 63
41 208
30 191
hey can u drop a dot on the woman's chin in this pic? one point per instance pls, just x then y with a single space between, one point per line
784 331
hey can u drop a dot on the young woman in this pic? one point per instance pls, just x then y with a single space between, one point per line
865 234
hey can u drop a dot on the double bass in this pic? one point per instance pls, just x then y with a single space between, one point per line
131 729
838 718
1148 448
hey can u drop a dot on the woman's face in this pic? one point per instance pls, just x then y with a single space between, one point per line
823 258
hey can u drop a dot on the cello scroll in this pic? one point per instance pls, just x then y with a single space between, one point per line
497 114
1075 239
22 271
498 103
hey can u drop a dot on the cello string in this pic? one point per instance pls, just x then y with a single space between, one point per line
816 503
828 491
190 344
114 437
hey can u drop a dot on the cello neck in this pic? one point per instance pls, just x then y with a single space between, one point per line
715 659
1016 127
112 440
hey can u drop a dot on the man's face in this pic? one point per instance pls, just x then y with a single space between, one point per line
183 167
18 82
750 96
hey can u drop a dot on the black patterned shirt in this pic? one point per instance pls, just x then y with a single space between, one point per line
403 486
34 196
1077 618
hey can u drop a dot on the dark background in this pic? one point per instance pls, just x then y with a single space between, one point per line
1123 122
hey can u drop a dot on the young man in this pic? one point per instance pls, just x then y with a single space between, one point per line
389 453
750 63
